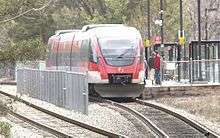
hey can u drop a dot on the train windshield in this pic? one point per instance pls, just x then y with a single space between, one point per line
118 47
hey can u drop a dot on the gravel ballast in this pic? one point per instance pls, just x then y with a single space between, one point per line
98 116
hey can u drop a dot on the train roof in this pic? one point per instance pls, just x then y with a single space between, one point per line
112 30
58 32
92 26
64 35
99 30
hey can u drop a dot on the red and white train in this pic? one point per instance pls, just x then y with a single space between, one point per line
111 54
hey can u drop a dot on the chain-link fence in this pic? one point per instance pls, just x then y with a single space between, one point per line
64 89
192 71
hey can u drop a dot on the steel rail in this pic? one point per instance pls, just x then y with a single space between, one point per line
158 132
39 125
8 83
149 123
69 120
205 131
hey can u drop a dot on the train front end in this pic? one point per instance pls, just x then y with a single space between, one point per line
119 71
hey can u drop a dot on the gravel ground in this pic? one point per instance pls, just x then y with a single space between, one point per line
21 129
53 122
98 116
202 106
18 131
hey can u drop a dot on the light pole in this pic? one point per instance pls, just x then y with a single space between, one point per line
199 40
206 24
161 18
148 49
181 36
148 19
161 34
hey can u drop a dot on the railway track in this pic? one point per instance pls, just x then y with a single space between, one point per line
144 125
40 125
54 123
172 124
163 122
186 127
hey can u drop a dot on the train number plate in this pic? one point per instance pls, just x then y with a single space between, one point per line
120 78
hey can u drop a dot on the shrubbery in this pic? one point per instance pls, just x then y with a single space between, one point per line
5 129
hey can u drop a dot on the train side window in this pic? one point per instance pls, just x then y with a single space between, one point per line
87 52
65 54
84 50
75 57
53 55
59 54
49 55
92 54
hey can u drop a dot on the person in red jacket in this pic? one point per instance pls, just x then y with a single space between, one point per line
157 67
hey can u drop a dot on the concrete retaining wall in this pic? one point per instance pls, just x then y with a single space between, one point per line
155 92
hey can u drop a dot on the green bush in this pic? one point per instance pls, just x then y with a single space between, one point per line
3 109
5 129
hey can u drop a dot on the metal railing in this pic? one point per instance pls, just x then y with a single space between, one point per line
64 89
210 70
170 70
190 71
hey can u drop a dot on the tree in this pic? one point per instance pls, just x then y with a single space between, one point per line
209 15
29 21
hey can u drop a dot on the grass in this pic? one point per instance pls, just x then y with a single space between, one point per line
3 109
5 129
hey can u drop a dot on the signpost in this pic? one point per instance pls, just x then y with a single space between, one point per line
147 43
181 40
157 40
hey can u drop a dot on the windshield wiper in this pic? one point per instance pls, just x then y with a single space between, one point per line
125 52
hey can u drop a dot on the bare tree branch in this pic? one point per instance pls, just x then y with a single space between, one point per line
103 8
33 9
85 6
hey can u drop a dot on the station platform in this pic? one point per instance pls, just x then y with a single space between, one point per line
168 88
173 88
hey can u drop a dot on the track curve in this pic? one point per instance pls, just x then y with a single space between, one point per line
163 122
66 119
147 123
195 127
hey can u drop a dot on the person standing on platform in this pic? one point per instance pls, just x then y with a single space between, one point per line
151 70
157 67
